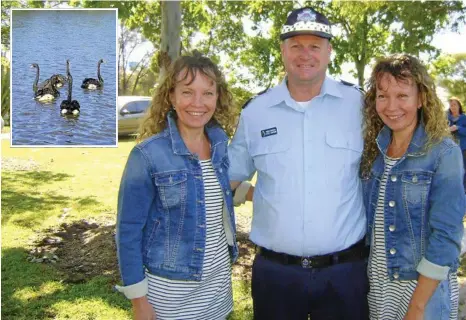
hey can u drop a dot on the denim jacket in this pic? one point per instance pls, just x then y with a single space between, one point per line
423 210
161 209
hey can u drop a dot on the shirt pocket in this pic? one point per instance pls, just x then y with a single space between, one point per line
268 153
416 187
171 187
346 146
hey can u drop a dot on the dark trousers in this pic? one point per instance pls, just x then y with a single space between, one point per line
282 292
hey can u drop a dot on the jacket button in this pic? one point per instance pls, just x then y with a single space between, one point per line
392 228
220 170
199 249
392 251
228 192
393 178
396 275
415 179
391 203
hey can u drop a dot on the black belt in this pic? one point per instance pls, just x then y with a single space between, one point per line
356 252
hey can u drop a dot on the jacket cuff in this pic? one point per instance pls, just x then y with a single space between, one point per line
432 270
133 291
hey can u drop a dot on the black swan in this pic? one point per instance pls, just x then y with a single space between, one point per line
58 79
69 106
47 92
91 83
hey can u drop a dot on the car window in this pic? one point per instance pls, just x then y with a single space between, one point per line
136 106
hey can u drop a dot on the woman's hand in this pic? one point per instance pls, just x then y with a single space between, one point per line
453 128
414 313
142 309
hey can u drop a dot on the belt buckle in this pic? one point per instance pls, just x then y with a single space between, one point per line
306 263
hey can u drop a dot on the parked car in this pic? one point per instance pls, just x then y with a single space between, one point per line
131 111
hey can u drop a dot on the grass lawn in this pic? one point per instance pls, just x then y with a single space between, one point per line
70 194
56 189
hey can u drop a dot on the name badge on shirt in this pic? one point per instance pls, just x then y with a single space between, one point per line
269 132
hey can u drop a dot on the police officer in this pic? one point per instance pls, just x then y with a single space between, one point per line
304 140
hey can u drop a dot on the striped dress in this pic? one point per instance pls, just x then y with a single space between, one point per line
211 298
389 300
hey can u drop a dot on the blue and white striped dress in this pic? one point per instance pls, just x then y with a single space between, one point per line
211 298
389 300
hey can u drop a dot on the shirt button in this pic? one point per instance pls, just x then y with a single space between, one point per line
415 179
393 178
392 251
391 203
392 228
396 275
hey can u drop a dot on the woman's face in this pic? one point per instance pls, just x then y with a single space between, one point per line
397 103
454 107
194 100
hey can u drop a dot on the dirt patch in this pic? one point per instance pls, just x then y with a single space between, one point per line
80 250
84 249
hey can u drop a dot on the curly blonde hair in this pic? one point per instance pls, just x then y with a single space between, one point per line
155 120
402 67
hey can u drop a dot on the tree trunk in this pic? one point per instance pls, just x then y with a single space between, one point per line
170 39
360 69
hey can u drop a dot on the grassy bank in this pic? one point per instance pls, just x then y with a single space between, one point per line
70 195
64 201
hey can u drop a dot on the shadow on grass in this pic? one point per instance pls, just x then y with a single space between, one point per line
33 290
24 201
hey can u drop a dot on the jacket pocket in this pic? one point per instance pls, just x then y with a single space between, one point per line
416 186
171 187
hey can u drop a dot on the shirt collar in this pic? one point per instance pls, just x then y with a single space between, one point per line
282 94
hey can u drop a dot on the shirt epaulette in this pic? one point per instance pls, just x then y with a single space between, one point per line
254 96
346 83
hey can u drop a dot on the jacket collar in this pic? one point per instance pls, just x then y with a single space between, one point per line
416 146
214 132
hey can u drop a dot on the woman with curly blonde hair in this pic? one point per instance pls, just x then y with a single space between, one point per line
176 236
412 179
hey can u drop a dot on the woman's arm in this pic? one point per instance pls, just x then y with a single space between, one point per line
425 288
135 198
142 309
447 206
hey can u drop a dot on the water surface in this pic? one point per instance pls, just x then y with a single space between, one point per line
48 38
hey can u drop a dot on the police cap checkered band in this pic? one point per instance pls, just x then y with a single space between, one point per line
306 21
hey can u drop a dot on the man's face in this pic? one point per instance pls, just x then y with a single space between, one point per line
306 58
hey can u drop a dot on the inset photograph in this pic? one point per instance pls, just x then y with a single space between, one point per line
64 77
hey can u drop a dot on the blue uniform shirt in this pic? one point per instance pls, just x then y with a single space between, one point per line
308 195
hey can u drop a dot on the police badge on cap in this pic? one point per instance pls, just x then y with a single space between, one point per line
306 21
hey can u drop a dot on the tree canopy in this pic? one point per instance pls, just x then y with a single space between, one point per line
243 36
